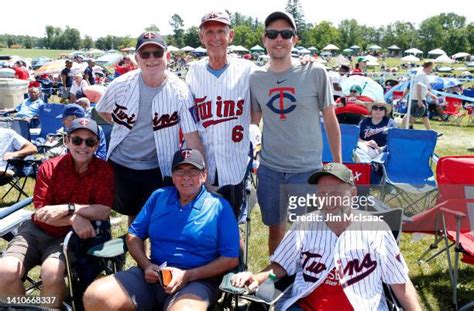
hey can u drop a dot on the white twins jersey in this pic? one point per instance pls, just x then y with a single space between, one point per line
223 108
172 110
364 256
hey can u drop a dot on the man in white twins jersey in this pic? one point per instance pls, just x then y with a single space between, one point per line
148 107
339 262
220 86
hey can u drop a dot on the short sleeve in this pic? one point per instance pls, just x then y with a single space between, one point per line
188 113
140 225
323 88
287 253
394 268
228 232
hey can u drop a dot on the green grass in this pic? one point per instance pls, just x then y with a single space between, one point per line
31 53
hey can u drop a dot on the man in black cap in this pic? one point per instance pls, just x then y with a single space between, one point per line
200 245
66 80
149 108
70 191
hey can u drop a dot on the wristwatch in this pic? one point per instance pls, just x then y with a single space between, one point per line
71 207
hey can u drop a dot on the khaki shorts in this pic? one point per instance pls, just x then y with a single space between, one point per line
32 246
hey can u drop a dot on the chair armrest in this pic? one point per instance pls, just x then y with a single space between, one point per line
4 212
109 249
454 213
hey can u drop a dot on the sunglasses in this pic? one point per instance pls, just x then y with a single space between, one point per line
191 172
147 54
285 34
354 91
77 141
380 108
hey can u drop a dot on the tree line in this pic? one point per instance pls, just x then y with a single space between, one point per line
447 30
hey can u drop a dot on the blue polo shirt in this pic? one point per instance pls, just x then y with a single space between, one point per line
187 236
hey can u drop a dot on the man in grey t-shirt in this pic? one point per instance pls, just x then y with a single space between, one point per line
290 98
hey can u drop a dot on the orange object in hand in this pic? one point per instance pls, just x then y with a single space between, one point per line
166 276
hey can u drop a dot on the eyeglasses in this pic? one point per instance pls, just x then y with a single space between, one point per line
147 54
380 108
191 172
285 34
77 141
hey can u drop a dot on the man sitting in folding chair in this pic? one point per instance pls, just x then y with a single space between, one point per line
70 191
192 232
12 145
340 256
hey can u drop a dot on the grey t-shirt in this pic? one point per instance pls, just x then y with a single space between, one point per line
138 150
291 102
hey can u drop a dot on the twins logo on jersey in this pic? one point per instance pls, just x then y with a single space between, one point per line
312 266
277 102
356 270
368 132
226 110
165 120
120 116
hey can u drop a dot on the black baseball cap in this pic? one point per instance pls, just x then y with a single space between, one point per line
188 156
280 15
84 123
150 37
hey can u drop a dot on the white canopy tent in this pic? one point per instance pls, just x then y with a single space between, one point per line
330 47
239 48
172 49
460 55
355 47
436 52
200 50
410 59
393 47
374 47
413 51
444 59
187 49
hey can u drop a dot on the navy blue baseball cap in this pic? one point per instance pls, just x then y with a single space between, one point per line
150 37
72 110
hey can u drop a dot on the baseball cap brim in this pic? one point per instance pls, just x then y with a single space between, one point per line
150 43
313 179
280 15
188 161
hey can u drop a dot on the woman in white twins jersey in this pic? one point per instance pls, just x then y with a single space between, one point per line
338 264
220 87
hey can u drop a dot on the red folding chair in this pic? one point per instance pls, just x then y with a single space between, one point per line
451 220
454 110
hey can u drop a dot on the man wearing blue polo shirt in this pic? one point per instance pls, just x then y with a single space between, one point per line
191 230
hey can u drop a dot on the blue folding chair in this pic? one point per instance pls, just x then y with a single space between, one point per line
49 121
349 139
406 163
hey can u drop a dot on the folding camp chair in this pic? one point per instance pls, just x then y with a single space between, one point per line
406 165
86 259
451 220
349 139
49 121
11 217
454 110
22 170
